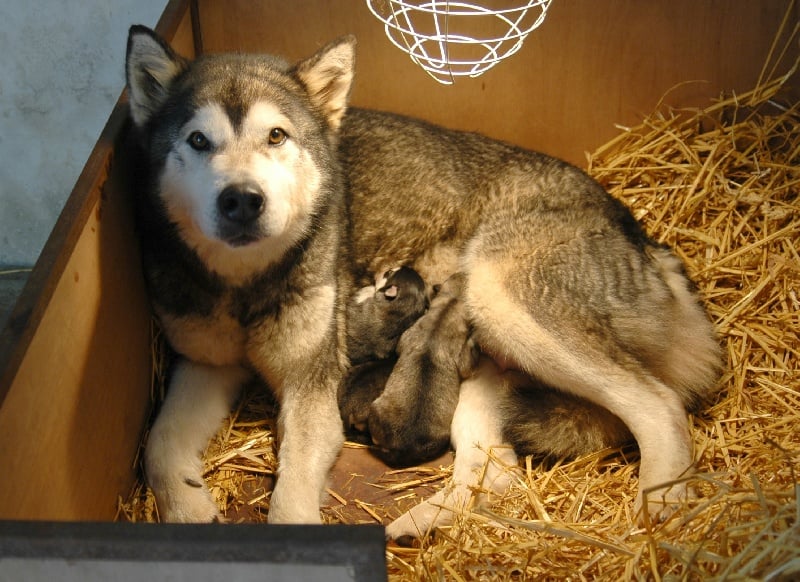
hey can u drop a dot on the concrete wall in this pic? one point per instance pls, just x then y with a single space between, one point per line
61 71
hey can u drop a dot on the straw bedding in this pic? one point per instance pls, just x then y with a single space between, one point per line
720 185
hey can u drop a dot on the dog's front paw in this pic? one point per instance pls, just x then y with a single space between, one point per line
293 504
186 500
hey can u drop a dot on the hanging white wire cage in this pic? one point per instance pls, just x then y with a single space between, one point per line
456 39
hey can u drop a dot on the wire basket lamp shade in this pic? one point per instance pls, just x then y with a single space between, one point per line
456 39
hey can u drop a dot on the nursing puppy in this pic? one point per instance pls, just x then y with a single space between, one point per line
377 315
410 420
265 202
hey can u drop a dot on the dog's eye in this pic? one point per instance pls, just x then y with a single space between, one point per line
199 141
276 136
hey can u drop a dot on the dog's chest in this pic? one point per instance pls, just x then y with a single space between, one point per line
217 339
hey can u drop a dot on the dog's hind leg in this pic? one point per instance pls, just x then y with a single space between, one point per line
198 399
482 463
548 339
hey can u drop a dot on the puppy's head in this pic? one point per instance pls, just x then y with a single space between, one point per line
401 298
241 144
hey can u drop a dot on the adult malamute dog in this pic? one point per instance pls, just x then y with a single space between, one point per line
265 203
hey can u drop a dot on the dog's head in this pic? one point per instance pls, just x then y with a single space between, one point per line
240 144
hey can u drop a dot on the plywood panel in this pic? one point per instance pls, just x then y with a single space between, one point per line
591 65
71 422
75 359
178 27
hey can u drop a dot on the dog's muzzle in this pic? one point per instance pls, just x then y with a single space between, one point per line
240 206
241 203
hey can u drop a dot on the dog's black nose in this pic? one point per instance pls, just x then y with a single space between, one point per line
241 203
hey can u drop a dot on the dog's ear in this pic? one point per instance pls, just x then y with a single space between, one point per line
328 76
150 68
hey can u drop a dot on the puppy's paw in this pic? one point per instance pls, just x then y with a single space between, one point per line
187 500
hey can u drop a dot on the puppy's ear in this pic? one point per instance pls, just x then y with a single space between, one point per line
150 68
328 77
